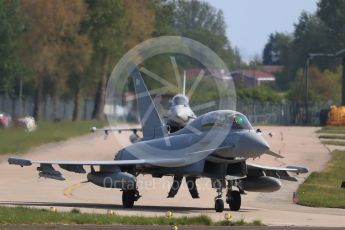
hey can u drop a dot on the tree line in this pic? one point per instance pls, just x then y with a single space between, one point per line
319 32
67 49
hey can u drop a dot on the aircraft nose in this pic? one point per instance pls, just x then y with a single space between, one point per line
252 145
180 114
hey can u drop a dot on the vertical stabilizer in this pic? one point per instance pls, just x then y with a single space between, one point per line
151 123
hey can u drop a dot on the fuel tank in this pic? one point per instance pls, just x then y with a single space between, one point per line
261 184
121 180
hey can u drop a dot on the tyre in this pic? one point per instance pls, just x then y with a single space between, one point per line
235 201
128 198
219 205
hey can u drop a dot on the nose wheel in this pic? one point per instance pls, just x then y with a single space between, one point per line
218 200
219 205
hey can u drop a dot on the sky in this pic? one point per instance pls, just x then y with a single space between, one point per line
250 22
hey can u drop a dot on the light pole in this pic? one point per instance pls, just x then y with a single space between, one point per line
310 57
341 54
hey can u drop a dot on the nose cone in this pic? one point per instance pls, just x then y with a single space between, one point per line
181 115
252 145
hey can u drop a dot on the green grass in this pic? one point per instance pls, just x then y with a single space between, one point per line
17 140
322 189
332 129
334 142
23 215
342 137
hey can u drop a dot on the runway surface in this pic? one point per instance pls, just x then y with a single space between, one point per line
299 146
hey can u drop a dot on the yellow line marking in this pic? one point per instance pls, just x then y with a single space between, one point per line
69 190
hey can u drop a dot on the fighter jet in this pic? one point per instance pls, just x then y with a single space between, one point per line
177 116
215 145
179 113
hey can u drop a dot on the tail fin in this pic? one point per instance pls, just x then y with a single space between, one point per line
151 123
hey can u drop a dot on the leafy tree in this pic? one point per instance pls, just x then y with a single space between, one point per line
311 36
53 27
269 56
322 86
106 25
163 18
291 50
276 48
11 31
276 51
199 21
141 16
75 58
195 20
238 63
193 14
332 13
202 22
262 93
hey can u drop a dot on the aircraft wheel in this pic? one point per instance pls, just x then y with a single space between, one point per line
235 201
219 205
128 198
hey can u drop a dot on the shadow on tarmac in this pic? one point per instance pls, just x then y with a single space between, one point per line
136 208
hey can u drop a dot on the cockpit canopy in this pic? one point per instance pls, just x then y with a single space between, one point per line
179 100
226 119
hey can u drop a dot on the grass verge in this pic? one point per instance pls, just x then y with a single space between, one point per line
342 137
332 129
334 142
17 140
23 215
322 189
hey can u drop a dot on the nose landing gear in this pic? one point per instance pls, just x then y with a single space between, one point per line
233 197
219 205
218 200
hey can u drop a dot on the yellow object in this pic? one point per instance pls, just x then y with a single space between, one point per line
169 214
110 212
227 216
336 115
53 209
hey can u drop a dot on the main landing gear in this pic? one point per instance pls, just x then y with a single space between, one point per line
129 197
233 197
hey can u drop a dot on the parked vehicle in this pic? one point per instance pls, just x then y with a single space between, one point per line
5 120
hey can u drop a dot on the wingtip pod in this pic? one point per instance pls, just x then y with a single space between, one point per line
19 161
300 169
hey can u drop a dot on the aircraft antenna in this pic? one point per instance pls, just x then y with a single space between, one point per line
184 83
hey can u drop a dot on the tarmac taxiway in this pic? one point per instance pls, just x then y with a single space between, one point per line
299 146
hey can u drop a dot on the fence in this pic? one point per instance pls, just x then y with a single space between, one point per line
282 113
63 109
